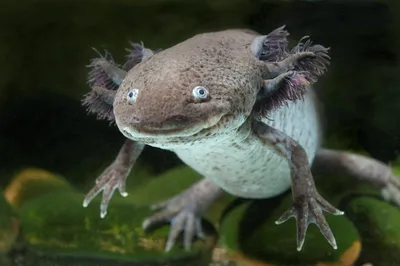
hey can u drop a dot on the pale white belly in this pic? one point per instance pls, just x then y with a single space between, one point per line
246 167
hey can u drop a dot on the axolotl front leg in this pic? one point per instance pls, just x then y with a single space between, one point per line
307 203
183 211
287 74
114 176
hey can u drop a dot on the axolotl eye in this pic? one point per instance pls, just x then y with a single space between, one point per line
132 95
200 93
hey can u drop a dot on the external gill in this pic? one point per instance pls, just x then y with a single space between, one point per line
288 86
274 45
288 72
105 72
136 54
315 65
105 77
100 102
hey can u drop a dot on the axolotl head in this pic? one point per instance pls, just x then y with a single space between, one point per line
200 88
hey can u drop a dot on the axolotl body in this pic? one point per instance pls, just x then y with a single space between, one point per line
236 106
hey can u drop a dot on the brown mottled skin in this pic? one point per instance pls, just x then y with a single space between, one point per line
237 107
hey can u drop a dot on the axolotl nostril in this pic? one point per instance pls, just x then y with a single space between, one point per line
236 106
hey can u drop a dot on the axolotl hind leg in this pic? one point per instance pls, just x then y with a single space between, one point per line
362 168
184 212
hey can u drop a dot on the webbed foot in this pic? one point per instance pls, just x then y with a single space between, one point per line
184 213
307 210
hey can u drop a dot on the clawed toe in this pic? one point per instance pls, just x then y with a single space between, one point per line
183 212
310 211
188 224
327 207
160 205
184 222
108 182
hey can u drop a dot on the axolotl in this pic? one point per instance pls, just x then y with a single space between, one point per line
239 108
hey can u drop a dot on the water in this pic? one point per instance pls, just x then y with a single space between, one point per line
52 151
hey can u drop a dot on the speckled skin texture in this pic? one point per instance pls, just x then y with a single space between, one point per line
255 135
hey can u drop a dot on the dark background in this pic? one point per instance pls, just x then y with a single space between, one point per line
46 45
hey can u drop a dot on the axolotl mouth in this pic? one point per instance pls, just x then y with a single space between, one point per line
170 131
198 118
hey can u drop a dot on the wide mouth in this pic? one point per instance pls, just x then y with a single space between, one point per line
186 130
